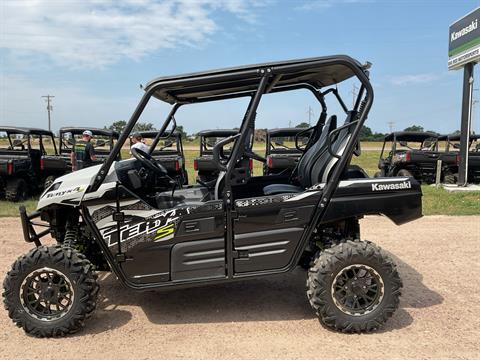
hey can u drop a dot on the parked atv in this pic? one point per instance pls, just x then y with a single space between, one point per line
204 164
451 158
127 216
283 149
412 154
168 152
29 162
103 142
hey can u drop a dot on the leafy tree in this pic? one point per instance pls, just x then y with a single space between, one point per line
303 125
118 125
181 131
365 133
414 128
143 127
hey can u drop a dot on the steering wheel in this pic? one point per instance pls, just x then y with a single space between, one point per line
149 162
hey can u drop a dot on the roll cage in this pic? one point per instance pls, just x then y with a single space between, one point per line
174 135
254 81
407 136
28 132
66 148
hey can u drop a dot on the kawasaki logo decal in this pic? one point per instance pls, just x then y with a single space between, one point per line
396 186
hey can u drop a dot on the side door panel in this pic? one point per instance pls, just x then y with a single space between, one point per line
150 238
268 229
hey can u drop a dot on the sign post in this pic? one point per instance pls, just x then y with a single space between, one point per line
464 51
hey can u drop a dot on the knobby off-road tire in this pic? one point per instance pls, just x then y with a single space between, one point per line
404 172
341 287
450 178
16 190
50 291
48 181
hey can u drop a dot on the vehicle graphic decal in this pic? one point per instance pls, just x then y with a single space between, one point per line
159 226
165 231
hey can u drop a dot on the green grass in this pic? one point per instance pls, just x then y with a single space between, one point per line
441 202
8 208
435 201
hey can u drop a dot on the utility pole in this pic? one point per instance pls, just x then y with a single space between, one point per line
354 93
391 125
474 113
310 114
49 109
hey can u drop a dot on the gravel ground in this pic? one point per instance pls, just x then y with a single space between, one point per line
271 319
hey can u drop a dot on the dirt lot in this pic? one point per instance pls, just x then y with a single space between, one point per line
438 315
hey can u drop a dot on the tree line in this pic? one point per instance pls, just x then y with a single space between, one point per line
366 134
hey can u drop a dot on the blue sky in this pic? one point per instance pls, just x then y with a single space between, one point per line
93 55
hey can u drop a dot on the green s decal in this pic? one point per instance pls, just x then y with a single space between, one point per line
165 230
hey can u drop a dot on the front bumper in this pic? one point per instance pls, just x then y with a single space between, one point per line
29 232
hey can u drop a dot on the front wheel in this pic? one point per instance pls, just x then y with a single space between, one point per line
50 291
353 287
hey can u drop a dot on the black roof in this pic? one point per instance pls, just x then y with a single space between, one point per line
218 132
153 133
456 137
285 131
25 130
410 136
95 131
318 72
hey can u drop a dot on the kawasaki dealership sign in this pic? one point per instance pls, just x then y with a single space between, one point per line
464 40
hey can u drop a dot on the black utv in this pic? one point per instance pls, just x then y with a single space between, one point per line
168 151
451 158
127 217
29 161
204 164
103 141
284 147
412 154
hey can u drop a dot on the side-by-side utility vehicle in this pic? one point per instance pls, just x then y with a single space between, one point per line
103 141
206 167
284 148
127 217
451 158
29 161
169 153
411 154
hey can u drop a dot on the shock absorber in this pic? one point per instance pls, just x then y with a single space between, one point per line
71 230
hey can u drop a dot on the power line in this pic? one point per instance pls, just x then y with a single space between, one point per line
310 114
391 125
354 93
49 109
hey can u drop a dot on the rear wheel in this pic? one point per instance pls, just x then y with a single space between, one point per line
450 178
353 287
48 182
404 172
50 291
16 190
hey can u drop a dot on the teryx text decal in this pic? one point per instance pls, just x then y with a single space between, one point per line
161 226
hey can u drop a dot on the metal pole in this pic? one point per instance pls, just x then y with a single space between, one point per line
49 108
465 125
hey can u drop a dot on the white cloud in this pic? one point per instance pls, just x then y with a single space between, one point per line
325 4
97 33
402 80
